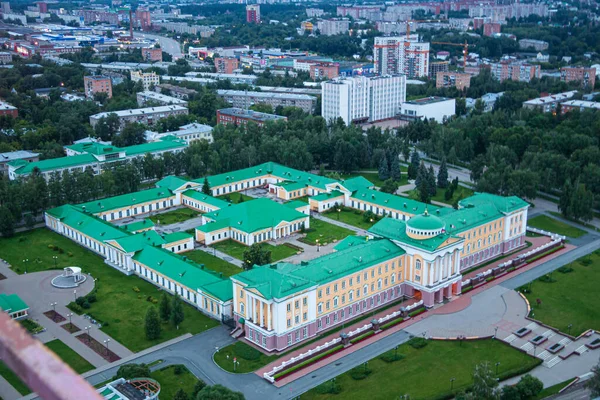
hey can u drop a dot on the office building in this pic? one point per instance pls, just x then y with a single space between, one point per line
226 65
363 99
458 80
147 116
439 109
401 55
246 99
253 14
329 27
586 76
240 116
148 79
327 70
97 84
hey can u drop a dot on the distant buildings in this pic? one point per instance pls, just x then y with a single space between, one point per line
580 105
5 158
97 84
327 70
437 108
182 27
226 65
458 80
145 97
329 27
152 54
240 116
515 70
314 12
5 57
361 99
491 28
253 14
401 55
245 99
538 45
8 109
175 91
148 79
586 76
189 133
147 116
436 67
549 103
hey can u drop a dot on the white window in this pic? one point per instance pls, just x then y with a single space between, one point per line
335 301
241 308
418 264
365 289
320 308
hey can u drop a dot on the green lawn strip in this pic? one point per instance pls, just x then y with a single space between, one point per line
117 303
170 382
419 366
13 379
576 222
460 193
551 390
351 217
373 177
69 356
172 217
550 224
235 197
31 326
249 358
236 249
324 232
213 263
566 299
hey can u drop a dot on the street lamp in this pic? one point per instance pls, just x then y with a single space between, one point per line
332 384
106 342
317 240
25 264
235 363
70 322
569 328
75 294
497 365
452 384
366 365
338 214
495 332
87 329
53 305
534 349
395 352
55 258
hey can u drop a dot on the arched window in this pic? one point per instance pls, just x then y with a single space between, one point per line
350 295
335 301
320 308
365 289
418 264
379 284
393 278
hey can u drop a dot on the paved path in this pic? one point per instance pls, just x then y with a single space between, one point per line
219 254
332 221
7 392
168 45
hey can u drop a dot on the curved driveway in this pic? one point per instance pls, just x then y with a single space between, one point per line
168 45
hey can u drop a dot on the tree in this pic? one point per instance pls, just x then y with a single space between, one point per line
7 222
152 324
564 203
594 382
181 395
431 184
131 135
384 171
198 386
129 371
389 186
529 386
484 383
442 178
206 187
582 203
219 392
396 172
164 308
256 255
413 167
177 315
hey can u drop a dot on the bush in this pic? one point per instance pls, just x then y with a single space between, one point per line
70 254
491 278
246 352
178 369
418 342
362 337
565 270
467 289
85 305
585 261
308 362
136 289
329 388
91 298
79 301
60 250
51 246
392 323
391 357
546 279
76 308
359 373
417 312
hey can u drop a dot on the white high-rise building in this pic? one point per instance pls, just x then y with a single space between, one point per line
401 55
363 99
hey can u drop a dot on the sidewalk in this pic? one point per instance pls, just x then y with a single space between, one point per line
338 223
219 254
7 392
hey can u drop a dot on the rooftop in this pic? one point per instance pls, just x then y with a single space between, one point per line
265 95
5 106
428 100
163 98
12 303
253 115
140 111
126 200
17 155
552 98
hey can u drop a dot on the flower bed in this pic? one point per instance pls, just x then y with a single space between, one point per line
308 362
538 340
32 326
594 344
522 332
544 254
555 348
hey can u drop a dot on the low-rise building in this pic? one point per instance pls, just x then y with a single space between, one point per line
8 109
13 306
178 92
147 116
491 28
148 79
439 109
537 45
458 80
586 76
5 57
245 99
515 70
97 84
152 54
148 97
240 116
189 133
580 105
226 65
327 70
334 26
549 103
24 155
234 78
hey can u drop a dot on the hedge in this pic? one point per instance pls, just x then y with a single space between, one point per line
308 362
491 278
544 254
417 312
362 337
392 323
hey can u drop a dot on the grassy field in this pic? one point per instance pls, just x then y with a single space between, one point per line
549 391
425 373
172 217
170 383
373 177
212 262
235 197
249 358
117 302
236 250
460 193
553 225
324 232
568 297
351 217
69 356
13 379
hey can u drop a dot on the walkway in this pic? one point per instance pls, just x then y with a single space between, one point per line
219 254
321 217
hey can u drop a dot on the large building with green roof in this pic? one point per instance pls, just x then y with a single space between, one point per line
13 306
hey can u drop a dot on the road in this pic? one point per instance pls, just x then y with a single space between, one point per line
168 45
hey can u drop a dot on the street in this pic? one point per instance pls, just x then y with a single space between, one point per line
168 45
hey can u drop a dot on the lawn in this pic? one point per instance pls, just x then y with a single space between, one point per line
567 297
69 356
235 197
425 373
248 357
172 217
170 382
460 193
13 379
213 263
236 249
118 306
324 232
551 390
373 177
553 225
351 217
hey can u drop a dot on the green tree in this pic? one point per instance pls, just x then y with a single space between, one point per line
164 308
484 383
218 392
177 314
582 203
384 171
442 178
129 371
7 222
206 187
529 386
413 167
396 172
152 324
198 386
256 255
431 183
593 384
131 135
181 395
389 186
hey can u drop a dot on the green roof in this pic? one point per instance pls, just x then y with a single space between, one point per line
12 303
295 204
214 226
178 269
176 236
137 242
173 182
54 163
326 196
161 145
503 204
284 279
426 221
126 200
87 224
403 204
468 218
138 225
291 186
253 215
349 241
358 182
94 148
204 198
267 168
395 229
222 290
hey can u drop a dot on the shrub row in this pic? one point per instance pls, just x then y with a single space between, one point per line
359 373
392 323
466 289
362 337
391 357
565 269
544 254
417 312
417 342
489 279
308 362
